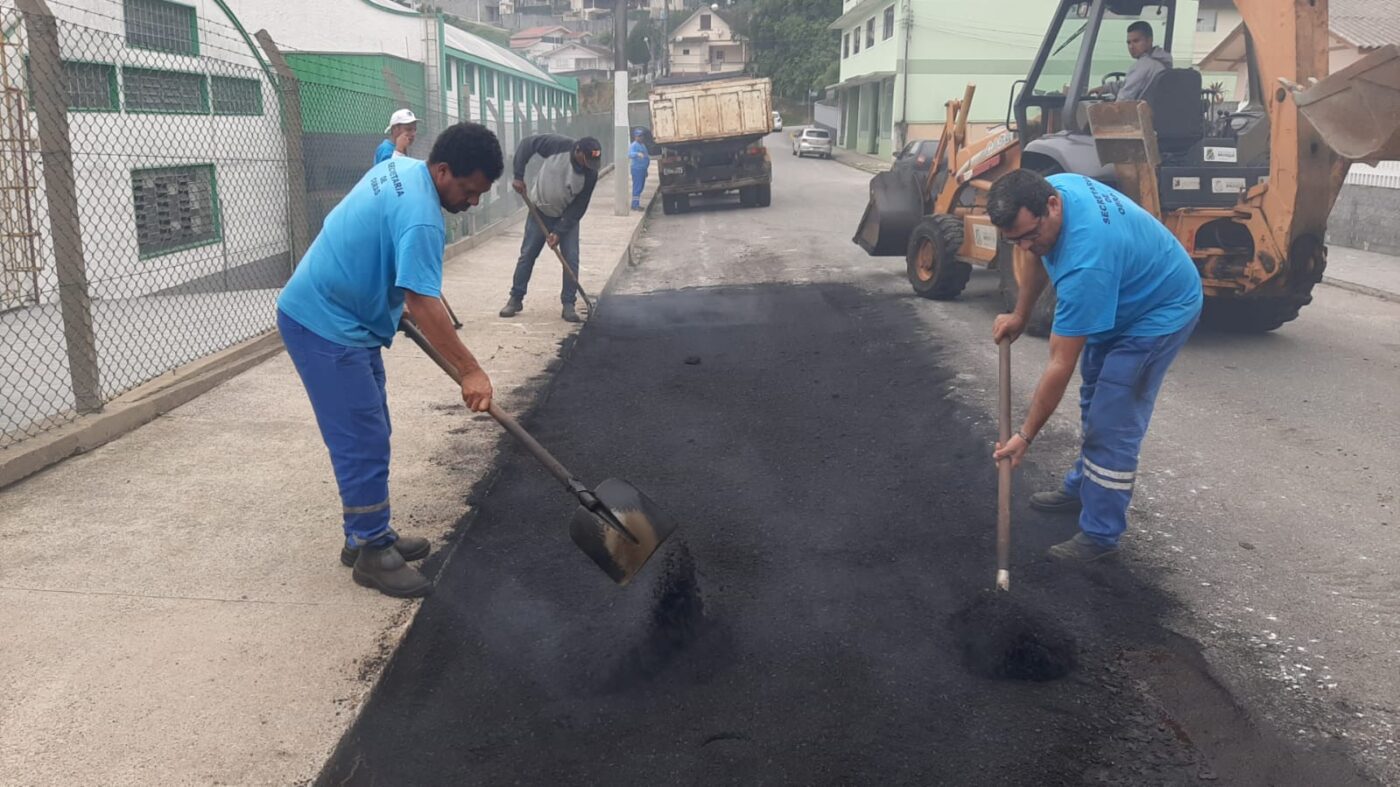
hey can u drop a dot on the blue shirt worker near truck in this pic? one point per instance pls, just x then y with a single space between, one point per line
1129 298
402 131
640 159
562 190
379 251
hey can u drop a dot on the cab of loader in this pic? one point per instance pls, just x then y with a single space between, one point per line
1083 60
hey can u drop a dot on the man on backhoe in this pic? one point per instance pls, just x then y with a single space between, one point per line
1129 297
1149 60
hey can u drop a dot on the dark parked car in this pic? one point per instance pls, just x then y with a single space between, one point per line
917 155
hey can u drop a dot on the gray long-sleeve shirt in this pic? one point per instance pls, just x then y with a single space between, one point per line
1144 70
559 191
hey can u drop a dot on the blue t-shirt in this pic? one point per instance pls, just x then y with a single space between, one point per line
1117 270
384 152
385 237
641 159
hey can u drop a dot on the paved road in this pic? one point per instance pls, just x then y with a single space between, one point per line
822 436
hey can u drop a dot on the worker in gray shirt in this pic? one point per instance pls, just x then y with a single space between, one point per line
561 190
1149 60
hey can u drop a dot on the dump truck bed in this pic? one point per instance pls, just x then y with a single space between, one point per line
711 110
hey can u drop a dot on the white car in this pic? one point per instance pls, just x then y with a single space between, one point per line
812 140
777 121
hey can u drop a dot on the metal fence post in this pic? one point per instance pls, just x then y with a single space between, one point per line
289 99
56 152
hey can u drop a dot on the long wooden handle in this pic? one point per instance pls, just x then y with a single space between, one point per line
1004 466
535 213
503 418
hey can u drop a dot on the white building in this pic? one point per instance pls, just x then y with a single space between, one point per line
705 43
173 117
573 58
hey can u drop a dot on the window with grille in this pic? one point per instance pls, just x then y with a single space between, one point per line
889 23
161 25
164 91
846 45
704 21
91 86
234 96
176 208
855 41
870 32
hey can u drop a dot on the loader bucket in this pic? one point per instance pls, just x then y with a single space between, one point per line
896 205
1357 109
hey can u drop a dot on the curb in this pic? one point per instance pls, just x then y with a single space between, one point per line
1362 289
136 407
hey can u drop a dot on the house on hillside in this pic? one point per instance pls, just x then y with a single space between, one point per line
535 41
705 43
579 60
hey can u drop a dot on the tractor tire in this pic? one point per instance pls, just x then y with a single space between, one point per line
933 269
1251 315
764 195
1043 313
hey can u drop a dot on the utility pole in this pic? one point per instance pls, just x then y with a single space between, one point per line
623 197
665 68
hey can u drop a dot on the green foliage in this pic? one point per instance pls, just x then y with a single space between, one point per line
792 45
638 52
493 34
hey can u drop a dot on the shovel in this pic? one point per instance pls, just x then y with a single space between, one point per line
1004 467
535 214
615 524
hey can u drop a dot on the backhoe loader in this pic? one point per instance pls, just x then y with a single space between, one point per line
1246 191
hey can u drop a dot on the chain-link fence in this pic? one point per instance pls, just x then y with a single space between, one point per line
156 191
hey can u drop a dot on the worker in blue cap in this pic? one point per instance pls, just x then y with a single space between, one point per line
641 162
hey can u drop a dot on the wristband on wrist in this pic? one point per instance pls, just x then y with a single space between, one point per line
1022 435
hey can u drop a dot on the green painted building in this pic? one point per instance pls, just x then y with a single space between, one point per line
902 60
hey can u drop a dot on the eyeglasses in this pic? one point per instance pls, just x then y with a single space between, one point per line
1025 236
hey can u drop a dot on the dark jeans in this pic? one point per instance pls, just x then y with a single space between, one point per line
530 250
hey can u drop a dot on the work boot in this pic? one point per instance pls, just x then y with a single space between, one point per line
384 569
411 547
1081 549
569 314
1056 502
513 307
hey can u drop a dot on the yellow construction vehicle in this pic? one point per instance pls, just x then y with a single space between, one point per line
1247 192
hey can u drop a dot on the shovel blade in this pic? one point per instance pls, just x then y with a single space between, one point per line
618 556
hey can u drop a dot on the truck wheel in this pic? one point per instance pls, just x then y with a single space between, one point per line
668 205
683 203
747 197
765 195
1043 313
1251 315
933 269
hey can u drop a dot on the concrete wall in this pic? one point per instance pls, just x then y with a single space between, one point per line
1364 218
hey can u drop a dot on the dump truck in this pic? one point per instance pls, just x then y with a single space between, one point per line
1247 189
710 131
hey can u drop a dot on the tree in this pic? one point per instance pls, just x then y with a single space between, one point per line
792 45
638 49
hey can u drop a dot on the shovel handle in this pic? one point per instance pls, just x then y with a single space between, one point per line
535 214
503 418
1004 466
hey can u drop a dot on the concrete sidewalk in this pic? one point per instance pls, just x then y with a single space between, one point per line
1366 272
172 603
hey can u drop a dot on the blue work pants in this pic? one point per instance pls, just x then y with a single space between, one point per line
346 387
1119 384
639 182
530 249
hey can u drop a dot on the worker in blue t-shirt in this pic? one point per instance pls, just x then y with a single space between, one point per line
379 251
1129 297
640 159
401 132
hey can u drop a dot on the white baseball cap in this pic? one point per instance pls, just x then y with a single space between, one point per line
401 117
